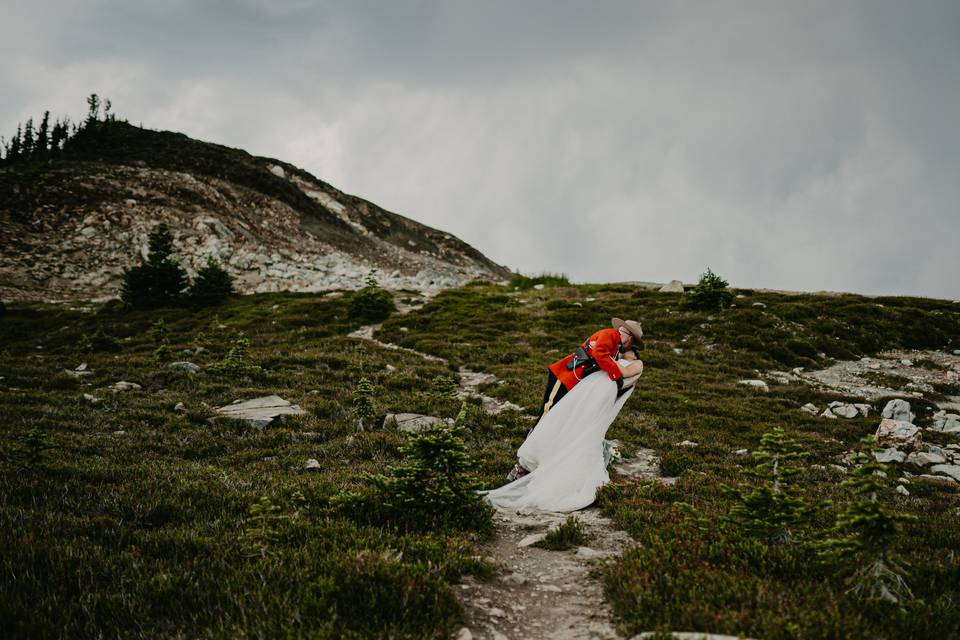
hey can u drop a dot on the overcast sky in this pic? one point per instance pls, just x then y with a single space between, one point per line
798 145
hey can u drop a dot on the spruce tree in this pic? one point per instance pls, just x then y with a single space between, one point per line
16 146
58 135
93 109
774 510
212 285
710 293
158 281
363 407
28 139
43 134
865 532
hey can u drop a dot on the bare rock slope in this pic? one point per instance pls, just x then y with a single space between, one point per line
68 226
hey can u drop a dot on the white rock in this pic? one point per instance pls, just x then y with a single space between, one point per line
932 478
464 634
180 408
531 539
889 455
759 385
846 411
517 578
827 413
864 409
688 443
897 433
923 458
91 399
899 409
278 171
312 464
674 286
259 412
550 587
952 470
810 408
741 452
185 366
586 553
759 304
123 385
902 490
946 423
538 287
410 422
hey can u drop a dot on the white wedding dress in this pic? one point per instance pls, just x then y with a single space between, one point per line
564 453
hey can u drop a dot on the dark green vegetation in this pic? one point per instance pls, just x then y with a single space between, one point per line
711 293
182 527
568 534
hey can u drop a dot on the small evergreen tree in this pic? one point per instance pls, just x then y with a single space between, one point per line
93 109
16 146
212 285
158 281
774 510
43 135
709 294
28 139
864 535
363 408
58 135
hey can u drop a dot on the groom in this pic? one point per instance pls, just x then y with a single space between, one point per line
599 351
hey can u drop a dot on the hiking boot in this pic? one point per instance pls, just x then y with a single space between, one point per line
516 473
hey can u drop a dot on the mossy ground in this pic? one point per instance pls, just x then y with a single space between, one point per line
142 533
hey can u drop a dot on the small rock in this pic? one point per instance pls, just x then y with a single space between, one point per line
91 399
688 443
184 366
810 408
586 553
897 433
759 304
538 287
123 385
495 612
312 464
946 423
899 409
531 539
932 478
677 350
902 490
864 409
846 411
278 171
119 433
827 413
259 412
410 422
517 578
889 455
551 588
180 408
741 452
759 385
464 634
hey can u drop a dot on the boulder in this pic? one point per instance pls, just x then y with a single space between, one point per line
864 409
946 422
410 422
185 366
924 458
259 412
899 409
889 455
123 385
674 286
827 413
897 433
810 408
845 411
952 470
759 385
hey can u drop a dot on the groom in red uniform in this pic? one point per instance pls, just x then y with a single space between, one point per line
602 350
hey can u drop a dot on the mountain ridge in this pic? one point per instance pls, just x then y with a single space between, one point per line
274 225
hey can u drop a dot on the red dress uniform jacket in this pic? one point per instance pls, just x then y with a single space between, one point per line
603 346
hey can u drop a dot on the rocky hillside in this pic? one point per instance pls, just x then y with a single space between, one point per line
69 225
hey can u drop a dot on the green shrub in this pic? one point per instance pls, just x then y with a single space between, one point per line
432 490
375 595
711 293
363 408
235 363
212 285
99 342
157 282
263 527
371 304
570 533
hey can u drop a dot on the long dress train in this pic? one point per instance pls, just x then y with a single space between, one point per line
564 453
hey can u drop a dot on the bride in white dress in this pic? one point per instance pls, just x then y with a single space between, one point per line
564 452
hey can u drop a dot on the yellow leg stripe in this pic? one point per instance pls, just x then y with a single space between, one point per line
553 394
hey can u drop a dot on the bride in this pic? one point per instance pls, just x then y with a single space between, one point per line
564 453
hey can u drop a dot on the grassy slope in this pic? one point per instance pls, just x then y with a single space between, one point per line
139 534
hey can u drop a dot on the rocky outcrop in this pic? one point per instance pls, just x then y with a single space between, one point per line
68 232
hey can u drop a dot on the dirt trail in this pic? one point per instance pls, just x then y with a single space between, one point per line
538 593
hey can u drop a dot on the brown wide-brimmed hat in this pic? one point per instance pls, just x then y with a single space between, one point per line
630 325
